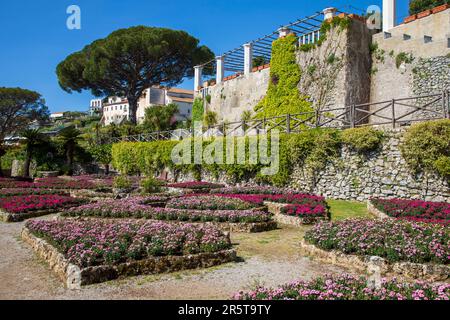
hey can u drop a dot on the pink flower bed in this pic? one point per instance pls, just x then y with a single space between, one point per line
92 242
48 183
414 210
196 185
23 204
27 191
347 287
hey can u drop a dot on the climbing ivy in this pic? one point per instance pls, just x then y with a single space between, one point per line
283 96
197 110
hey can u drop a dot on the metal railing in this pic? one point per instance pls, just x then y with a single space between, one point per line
393 113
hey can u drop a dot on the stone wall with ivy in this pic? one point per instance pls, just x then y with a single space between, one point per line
381 173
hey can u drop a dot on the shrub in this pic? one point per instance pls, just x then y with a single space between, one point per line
122 182
426 147
197 110
348 287
417 6
151 185
393 240
363 139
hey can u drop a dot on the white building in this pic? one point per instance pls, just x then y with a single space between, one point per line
117 110
56 115
95 107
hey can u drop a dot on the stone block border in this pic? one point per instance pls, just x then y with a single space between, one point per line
275 209
74 277
18 217
408 270
375 212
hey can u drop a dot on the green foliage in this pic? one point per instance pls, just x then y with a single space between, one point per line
129 61
151 185
416 6
259 61
363 139
210 119
197 110
102 153
283 96
122 182
160 118
68 139
311 149
208 98
427 147
403 57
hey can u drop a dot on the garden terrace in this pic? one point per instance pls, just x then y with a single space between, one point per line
389 239
18 208
250 190
209 203
97 251
28 191
194 186
347 287
49 183
414 210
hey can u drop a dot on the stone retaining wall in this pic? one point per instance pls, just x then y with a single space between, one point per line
377 213
408 270
17 217
74 277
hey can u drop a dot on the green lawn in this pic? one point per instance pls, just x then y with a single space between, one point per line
342 209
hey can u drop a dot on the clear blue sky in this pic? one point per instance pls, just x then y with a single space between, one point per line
34 37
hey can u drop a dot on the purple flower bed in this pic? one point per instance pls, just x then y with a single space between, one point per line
141 207
393 240
347 287
92 243
195 185
414 210
48 183
208 203
249 190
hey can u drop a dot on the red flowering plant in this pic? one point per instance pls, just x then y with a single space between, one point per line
49 183
414 210
28 191
24 204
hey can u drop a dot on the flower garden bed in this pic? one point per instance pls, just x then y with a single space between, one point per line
297 215
413 250
49 183
193 187
18 208
28 191
208 203
249 190
347 287
412 210
150 208
91 251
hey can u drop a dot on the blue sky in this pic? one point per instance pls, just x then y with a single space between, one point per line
35 39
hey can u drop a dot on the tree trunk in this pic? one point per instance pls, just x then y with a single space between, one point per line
106 169
70 161
1 170
132 102
2 153
26 165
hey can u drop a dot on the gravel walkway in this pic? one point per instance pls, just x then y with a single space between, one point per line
268 258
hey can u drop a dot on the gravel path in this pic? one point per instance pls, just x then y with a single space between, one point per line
268 258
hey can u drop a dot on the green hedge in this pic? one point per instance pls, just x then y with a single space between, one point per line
416 6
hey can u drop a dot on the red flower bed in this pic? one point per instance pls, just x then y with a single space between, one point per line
305 210
195 185
23 204
414 210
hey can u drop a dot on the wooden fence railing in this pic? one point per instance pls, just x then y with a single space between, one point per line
393 113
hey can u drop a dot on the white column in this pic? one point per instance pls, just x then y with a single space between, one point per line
220 69
389 14
329 13
283 32
248 58
197 77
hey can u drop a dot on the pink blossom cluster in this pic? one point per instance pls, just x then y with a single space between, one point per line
23 204
347 287
250 190
93 242
415 210
394 240
311 210
153 208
